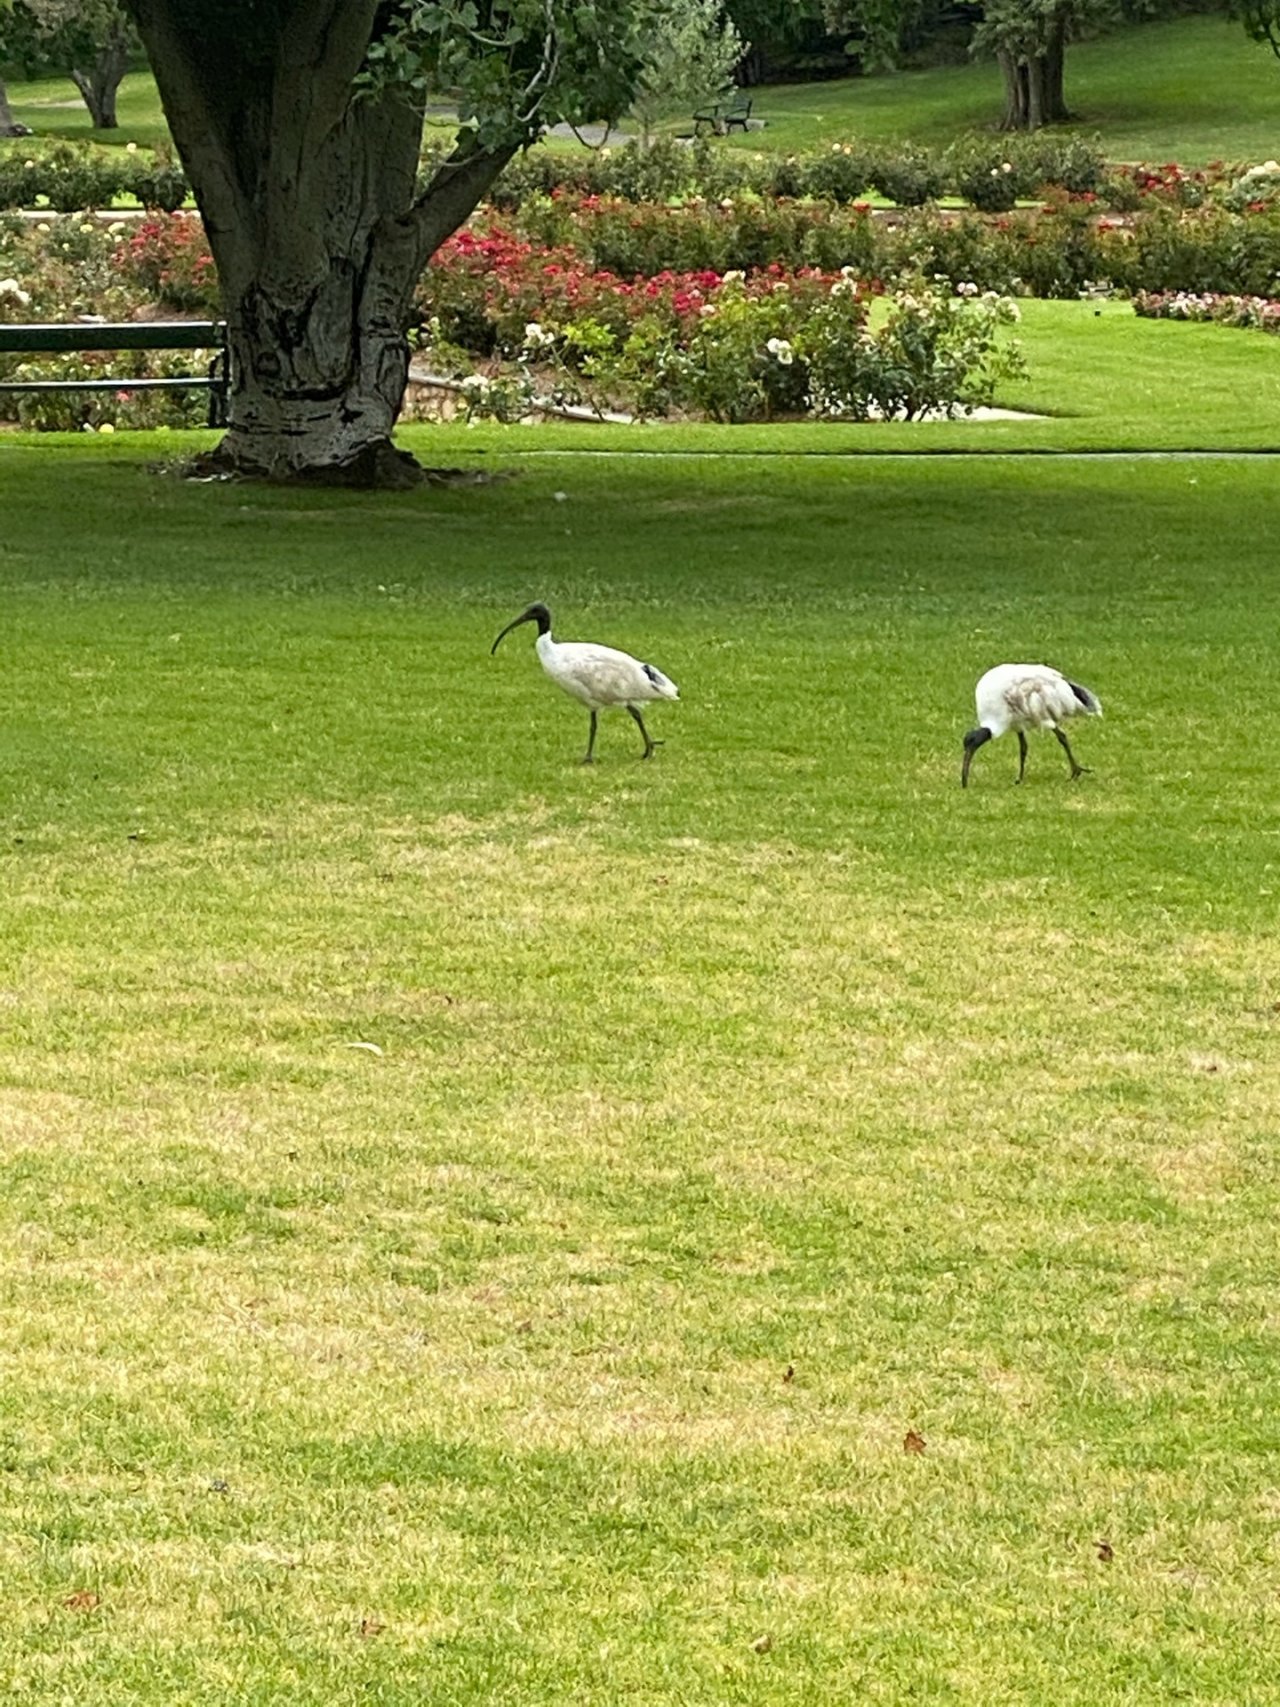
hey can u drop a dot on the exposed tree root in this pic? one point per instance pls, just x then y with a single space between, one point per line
379 467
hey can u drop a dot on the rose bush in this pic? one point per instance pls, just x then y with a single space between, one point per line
846 171
1257 313
751 348
70 178
71 268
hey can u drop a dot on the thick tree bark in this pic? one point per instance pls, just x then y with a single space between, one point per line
100 84
308 198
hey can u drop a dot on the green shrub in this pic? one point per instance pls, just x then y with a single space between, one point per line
1070 162
158 181
992 188
76 179
908 176
843 174
73 177
18 178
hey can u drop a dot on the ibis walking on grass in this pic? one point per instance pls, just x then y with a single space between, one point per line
599 676
1022 697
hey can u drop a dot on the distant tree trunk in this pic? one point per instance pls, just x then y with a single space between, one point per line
8 125
308 198
100 84
1013 69
1033 85
1055 59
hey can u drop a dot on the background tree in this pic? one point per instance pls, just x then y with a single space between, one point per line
690 56
91 41
94 41
8 124
879 34
1028 39
300 123
1261 19
785 37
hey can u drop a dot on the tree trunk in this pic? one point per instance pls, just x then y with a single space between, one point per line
1013 70
8 124
1055 100
99 85
308 198
1033 85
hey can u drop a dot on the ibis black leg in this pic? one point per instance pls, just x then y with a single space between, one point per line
649 744
1076 770
589 756
1022 754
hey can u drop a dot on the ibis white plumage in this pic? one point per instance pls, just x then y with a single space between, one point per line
1022 697
597 676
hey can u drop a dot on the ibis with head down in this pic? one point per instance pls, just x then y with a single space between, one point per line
1022 697
598 676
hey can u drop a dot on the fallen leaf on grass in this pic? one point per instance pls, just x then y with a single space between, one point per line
83 1600
762 1644
789 1374
1106 1552
371 1627
913 1442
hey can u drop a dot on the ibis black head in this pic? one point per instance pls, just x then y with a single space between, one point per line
535 613
973 740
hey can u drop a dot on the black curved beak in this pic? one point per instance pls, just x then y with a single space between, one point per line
525 616
973 740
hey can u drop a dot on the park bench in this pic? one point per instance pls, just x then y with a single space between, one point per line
723 114
95 335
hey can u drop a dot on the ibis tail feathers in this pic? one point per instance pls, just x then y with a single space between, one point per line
1089 701
663 686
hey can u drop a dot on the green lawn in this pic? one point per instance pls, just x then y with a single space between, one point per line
1194 89
52 108
737 1113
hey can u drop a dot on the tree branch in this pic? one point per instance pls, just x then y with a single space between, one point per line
203 129
458 185
323 44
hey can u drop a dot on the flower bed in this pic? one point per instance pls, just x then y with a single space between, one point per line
633 295
70 268
1257 313
991 173
731 346
1052 251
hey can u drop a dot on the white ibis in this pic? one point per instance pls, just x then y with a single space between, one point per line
599 676
1022 697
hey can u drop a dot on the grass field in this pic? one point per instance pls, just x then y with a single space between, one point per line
737 1115
1192 89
